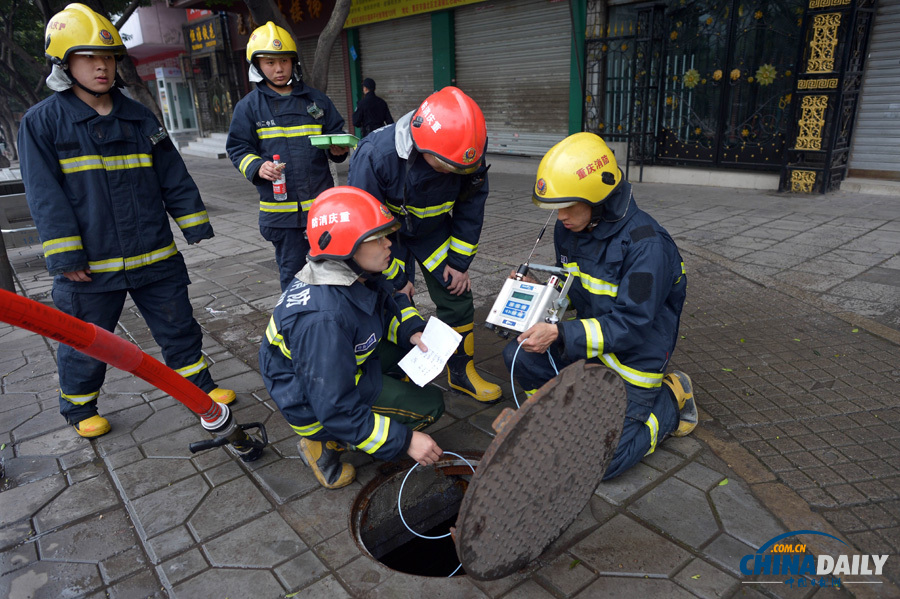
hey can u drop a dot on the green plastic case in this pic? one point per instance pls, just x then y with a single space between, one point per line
338 139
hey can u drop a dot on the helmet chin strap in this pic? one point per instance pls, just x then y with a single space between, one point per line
294 80
116 83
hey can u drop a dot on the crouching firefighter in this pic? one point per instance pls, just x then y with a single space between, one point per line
629 292
336 333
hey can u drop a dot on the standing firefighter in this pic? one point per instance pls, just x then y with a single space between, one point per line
102 178
277 118
335 333
429 169
629 293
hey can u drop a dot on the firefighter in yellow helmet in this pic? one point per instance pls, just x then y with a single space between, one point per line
276 118
101 178
628 296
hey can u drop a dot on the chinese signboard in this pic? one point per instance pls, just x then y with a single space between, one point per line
203 37
363 12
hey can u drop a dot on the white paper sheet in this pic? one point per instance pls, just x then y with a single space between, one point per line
441 341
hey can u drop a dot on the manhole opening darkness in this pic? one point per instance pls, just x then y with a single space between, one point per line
431 500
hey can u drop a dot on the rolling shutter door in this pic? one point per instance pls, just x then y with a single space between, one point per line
397 55
513 58
876 136
337 81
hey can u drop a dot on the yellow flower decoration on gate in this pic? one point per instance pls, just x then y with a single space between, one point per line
717 74
691 79
766 74
758 15
745 132
735 74
673 36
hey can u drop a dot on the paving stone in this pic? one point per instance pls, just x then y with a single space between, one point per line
621 489
404 585
15 417
629 588
229 582
163 422
301 571
321 514
566 575
50 580
144 585
239 499
727 552
364 574
17 557
171 506
663 460
706 581
742 516
607 552
286 479
679 510
56 442
25 500
183 566
78 457
338 550
529 590
123 564
85 471
78 500
497 588
327 587
169 543
699 476
21 471
147 475
93 540
223 473
260 544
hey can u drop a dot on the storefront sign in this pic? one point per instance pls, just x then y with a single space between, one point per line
363 12
168 73
203 37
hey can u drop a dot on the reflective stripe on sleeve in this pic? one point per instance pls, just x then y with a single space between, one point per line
245 162
593 284
461 247
379 434
62 244
192 220
593 337
308 429
276 339
394 269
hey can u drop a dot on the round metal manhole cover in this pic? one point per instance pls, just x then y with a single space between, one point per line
540 470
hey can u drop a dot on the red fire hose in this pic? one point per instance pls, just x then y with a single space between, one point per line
99 343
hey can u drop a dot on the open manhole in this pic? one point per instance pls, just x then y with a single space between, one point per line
431 499
529 486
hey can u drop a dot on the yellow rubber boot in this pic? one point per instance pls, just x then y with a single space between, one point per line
91 427
461 373
324 459
225 396
680 384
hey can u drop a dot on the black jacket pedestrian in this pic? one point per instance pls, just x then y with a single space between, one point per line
371 113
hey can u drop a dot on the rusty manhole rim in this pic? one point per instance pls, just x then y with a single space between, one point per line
396 470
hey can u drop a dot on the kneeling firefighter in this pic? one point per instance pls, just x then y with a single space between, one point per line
336 333
628 295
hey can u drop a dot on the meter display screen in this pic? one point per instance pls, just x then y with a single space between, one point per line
522 296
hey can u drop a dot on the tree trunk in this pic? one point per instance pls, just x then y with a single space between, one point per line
319 75
10 129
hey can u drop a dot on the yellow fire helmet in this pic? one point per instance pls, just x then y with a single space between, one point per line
78 29
580 168
270 40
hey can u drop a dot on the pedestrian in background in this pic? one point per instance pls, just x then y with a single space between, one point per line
371 111
278 117
102 178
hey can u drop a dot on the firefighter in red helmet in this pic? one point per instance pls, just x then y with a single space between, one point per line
335 333
429 169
